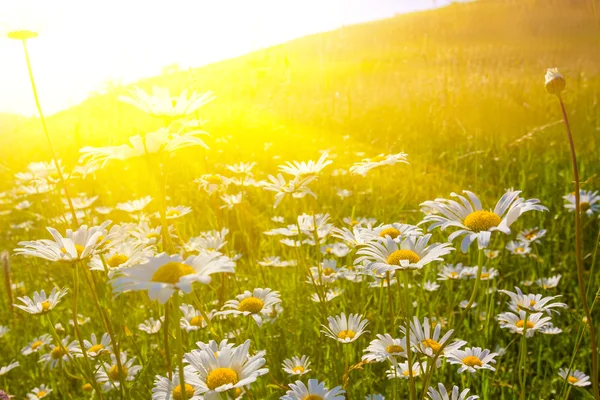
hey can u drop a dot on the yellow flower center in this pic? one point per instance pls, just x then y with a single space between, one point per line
394 348
152 235
530 235
183 394
173 213
406 372
391 232
346 334
214 179
532 303
87 387
432 344
251 304
172 272
485 275
221 376
328 271
584 206
115 373
481 221
521 323
96 348
41 394
298 370
354 222
571 379
472 361
36 344
79 248
378 158
328 250
519 250
312 397
196 321
399 255
45 306
57 353
117 260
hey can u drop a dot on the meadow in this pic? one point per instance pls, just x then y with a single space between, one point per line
263 222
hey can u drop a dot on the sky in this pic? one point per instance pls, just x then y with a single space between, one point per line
82 44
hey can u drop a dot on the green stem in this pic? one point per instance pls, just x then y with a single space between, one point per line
523 359
407 318
179 345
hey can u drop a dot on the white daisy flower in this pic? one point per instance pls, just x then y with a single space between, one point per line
176 212
231 200
518 248
214 347
296 365
430 286
385 347
122 255
151 326
109 375
304 169
297 187
550 329
233 368
548 283
276 261
345 330
472 358
192 319
428 342
4 370
314 391
81 320
78 245
491 254
95 348
39 392
36 344
343 193
475 223
167 389
329 295
486 274
515 323
451 272
397 231
531 235
207 241
41 303
212 183
328 273
256 304
575 378
161 104
60 354
442 394
80 203
241 167
402 371
134 206
532 303
163 275
589 202
319 223
358 236
336 249
386 255
362 222
367 164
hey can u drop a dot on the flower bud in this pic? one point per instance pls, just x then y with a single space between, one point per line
555 82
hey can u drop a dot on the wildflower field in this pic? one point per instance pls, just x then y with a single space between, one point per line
402 209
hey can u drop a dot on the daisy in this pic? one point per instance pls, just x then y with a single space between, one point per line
442 393
161 104
475 223
6 369
61 353
429 343
337 249
343 193
177 212
134 206
95 348
314 391
214 347
207 241
327 273
231 200
163 275
109 375
430 286
550 330
532 303
192 319
548 283
212 183
345 330
402 371
297 187
36 344
491 254
486 274
304 169
473 358
41 303
531 235
515 323
122 255
296 365
167 389
518 248
397 231
80 203
39 392
451 272
151 326
233 368
358 236
276 261
241 167
575 378
257 304
385 347
386 255
367 164
329 295
589 202
78 245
